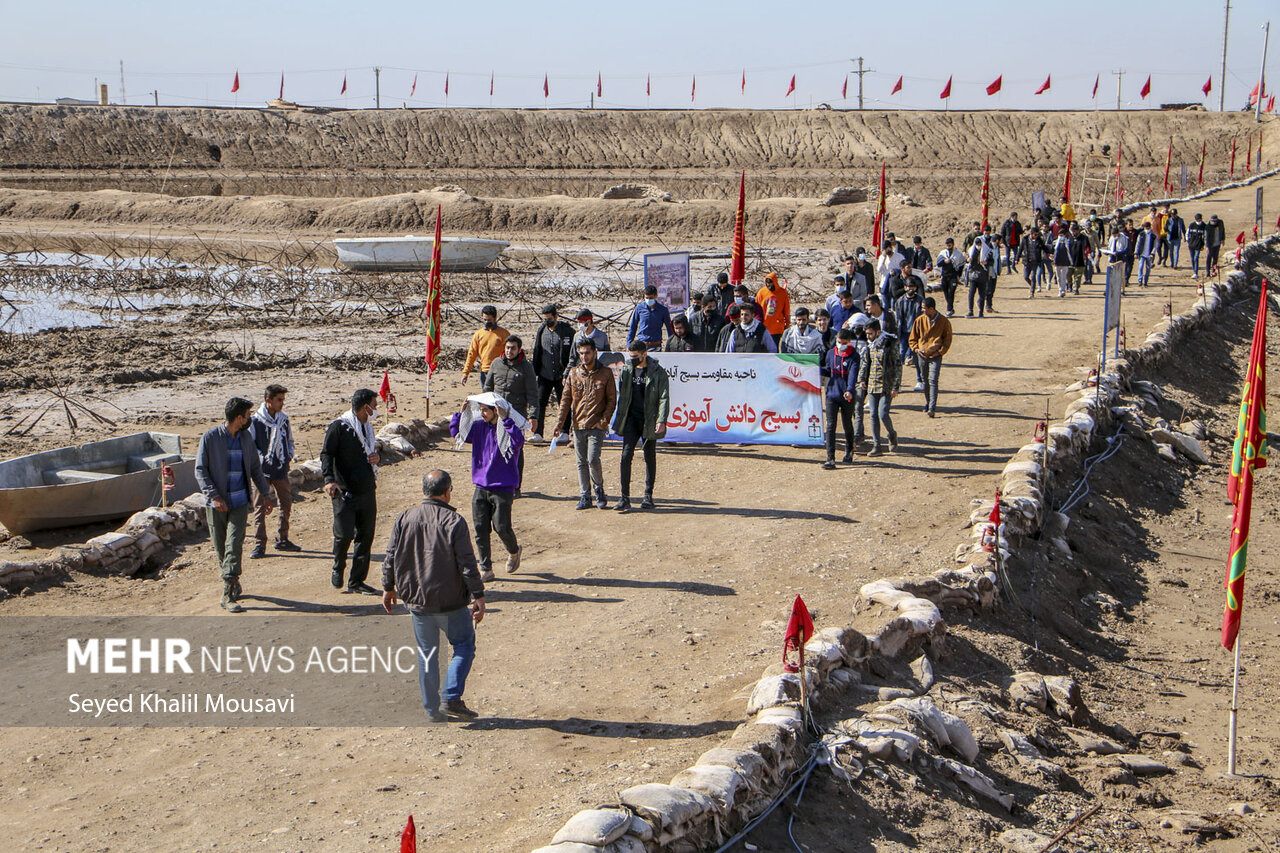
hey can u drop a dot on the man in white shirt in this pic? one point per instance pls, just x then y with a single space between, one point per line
801 337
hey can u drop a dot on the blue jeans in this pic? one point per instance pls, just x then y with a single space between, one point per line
461 632
932 369
1010 255
1175 247
879 404
1144 269
1195 261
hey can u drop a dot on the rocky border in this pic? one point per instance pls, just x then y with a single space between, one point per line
728 785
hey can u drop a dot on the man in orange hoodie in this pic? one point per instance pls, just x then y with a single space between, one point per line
775 302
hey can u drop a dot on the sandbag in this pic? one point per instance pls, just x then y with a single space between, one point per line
594 826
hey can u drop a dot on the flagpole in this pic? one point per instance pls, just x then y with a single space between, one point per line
1231 730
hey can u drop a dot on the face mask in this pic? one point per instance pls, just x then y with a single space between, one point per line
651 302
739 300
373 415
582 327
862 257
844 349
551 324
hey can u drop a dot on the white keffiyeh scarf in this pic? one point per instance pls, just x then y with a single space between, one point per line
363 431
471 414
280 444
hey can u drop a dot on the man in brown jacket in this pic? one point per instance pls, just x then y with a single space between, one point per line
431 567
930 339
590 396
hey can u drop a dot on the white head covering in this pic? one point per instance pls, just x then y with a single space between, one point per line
471 414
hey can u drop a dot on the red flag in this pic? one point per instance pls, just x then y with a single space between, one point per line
432 308
994 85
1253 94
738 257
986 191
384 390
877 233
799 626
1271 104
1233 158
1208 86
414 87
897 87
1044 87
1248 156
1240 239
599 85
882 214
1066 185
1095 86
235 84
792 87
409 838
994 517
546 87
1255 231
647 90
446 84
1168 161
1204 148
1249 453
1146 88
946 90
344 85
744 81
693 90
282 85
844 89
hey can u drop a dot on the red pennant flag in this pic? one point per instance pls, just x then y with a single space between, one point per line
1240 239
995 84
409 838
1248 156
994 517
344 85
897 87
800 625
446 84
1044 87
1250 452
546 87
792 87
1255 231
744 81
844 89
1095 85
946 90
599 85
432 308
385 389
1208 86
1204 148
235 84
1271 104
693 90
1146 88
738 257
877 233
647 90
414 87
1253 95
282 85
1233 158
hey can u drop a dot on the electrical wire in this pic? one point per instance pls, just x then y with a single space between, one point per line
1081 489
805 770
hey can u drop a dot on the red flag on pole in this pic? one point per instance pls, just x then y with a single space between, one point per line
1168 161
446 84
490 84
1271 104
994 517
546 87
744 81
414 87
1249 453
1095 86
986 191
1204 148
344 85
1253 95
409 838
994 85
384 390
599 85
738 257
1240 239
1146 88
1044 87
792 87
1260 148
844 88
897 87
1208 86
432 308
282 85
693 89
877 233
235 84
799 631
1066 185
1248 156
946 90
882 212
1232 173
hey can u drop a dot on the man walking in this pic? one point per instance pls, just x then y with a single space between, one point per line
486 344
587 331
649 319
511 378
487 422
680 340
841 396
273 439
1146 252
1215 235
930 339
1196 233
589 400
720 292
1011 231
552 352
704 327
1030 249
644 403
950 263
431 568
879 377
1174 230
749 336
908 307
226 464
348 461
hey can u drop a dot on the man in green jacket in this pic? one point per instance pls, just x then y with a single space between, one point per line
644 402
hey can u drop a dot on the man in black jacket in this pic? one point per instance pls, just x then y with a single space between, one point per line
552 352
918 256
431 567
704 327
348 461
721 293
1011 231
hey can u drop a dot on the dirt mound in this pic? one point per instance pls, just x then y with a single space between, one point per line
635 191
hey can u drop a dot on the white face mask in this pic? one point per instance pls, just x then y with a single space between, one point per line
582 327
651 302
862 257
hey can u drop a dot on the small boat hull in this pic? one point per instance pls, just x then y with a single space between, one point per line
391 254
99 481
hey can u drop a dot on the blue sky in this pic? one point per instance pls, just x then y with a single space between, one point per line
189 53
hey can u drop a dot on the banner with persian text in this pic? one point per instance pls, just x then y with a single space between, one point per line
730 398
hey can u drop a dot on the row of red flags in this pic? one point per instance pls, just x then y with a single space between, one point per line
992 88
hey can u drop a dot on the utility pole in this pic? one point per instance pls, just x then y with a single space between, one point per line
860 72
1222 79
377 88
156 92
1262 75
1119 76
123 99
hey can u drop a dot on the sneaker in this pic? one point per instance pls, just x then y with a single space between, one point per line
874 451
336 578
535 438
970 314
951 313
583 503
647 502
848 458
436 718
829 465
458 708
361 589
893 441
602 502
488 576
513 560
286 545
1194 277
564 436
919 387
623 504
259 551
930 413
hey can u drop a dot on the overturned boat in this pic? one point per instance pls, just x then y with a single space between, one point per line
98 481
392 254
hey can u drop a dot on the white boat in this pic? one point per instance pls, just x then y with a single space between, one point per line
94 482
457 254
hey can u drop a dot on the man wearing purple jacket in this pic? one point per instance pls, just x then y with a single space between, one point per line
488 423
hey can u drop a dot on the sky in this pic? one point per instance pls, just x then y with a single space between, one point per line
187 53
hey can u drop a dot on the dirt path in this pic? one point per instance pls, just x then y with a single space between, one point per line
618 653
